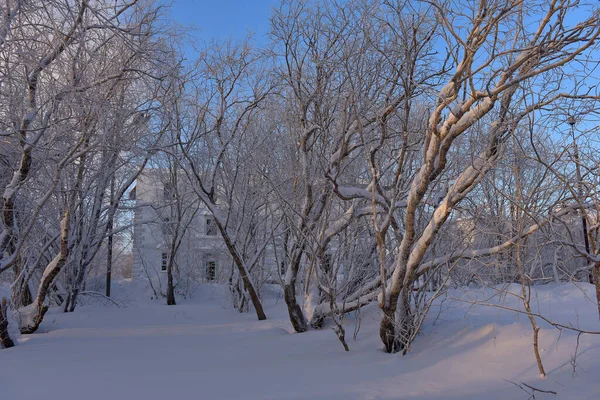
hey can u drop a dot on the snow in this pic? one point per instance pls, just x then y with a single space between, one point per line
312 296
25 316
203 349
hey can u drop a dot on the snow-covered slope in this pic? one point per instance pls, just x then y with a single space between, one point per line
204 350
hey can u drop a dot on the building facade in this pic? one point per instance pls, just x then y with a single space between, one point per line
201 255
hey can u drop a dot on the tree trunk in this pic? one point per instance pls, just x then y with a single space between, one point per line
260 314
109 242
297 317
294 310
397 334
586 242
32 315
109 257
596 273
5 340
313 296
170 287
21 295
387 330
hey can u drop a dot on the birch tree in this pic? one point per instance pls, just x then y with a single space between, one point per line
493 75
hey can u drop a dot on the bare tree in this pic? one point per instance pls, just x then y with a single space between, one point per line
226 92
479 88
76 92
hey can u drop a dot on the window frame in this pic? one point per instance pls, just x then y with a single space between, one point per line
210 227
206 269
164 262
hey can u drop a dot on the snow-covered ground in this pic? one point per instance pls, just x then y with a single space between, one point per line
202 349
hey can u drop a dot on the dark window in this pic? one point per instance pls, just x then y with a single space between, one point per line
168 192
163 265
210 272
327 261
211 227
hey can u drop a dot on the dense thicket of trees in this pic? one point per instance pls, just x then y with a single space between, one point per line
377 150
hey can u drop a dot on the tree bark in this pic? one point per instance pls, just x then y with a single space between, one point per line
109 241
21 295
5 340
260 314
294 310
170 287
396 334
387 330
33 314
596 273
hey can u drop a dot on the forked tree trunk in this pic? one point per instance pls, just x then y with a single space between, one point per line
396 333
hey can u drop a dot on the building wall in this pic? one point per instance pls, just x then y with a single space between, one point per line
151 241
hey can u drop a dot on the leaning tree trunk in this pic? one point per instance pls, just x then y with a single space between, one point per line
5 340
31 316
237 259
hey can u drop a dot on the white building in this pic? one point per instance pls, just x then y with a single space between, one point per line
202 255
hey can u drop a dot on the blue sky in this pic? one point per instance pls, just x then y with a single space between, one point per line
224 18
